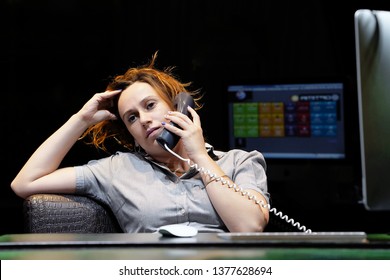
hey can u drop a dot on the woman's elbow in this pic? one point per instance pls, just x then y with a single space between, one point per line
19 189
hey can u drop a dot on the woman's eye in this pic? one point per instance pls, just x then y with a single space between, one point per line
150 105
132 118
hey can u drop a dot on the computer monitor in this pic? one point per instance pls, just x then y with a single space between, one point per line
283 120
372 34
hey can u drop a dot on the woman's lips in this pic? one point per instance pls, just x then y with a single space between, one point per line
153 131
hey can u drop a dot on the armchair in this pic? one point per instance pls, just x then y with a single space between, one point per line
67 213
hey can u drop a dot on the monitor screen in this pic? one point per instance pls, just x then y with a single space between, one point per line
372 33
288 120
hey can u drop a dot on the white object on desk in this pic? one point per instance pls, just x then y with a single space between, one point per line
178 230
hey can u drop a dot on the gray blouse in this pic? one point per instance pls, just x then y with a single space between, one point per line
144 195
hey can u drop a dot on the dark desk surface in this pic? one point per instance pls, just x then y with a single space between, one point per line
203 246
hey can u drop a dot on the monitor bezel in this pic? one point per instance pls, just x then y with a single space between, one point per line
376 194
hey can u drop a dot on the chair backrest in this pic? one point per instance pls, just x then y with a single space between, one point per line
67 213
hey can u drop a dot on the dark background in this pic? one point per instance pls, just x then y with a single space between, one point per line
56 54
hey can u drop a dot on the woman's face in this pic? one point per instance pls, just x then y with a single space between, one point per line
142 111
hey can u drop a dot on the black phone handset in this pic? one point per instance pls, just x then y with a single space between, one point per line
182 101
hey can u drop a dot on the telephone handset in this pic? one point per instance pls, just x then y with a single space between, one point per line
182 101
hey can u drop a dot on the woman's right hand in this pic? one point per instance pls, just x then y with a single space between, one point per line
97 109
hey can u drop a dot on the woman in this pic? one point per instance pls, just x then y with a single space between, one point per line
148 186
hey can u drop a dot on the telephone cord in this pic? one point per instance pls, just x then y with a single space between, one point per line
236 188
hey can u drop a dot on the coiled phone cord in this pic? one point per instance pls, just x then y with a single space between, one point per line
236 188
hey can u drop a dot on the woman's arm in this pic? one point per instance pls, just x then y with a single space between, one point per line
239 213
40 173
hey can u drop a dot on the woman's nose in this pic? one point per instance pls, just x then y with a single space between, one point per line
144 118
